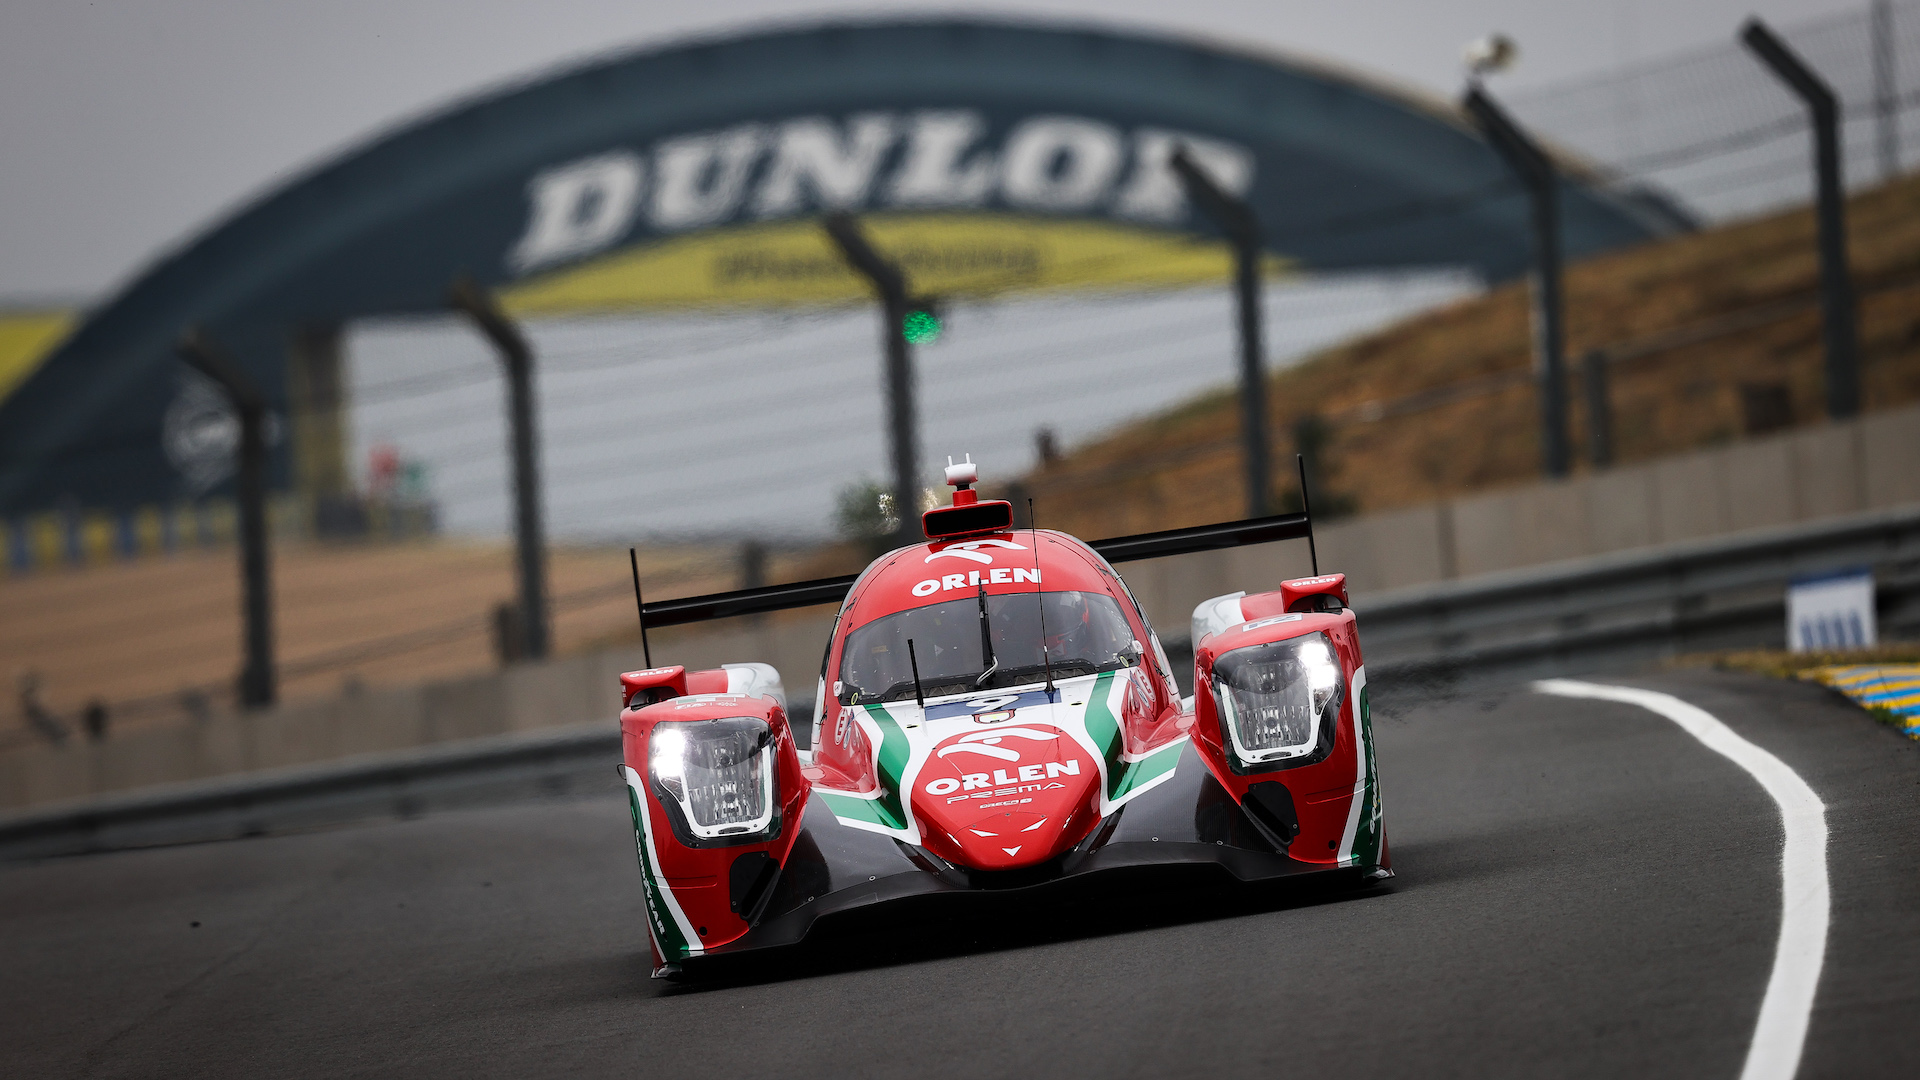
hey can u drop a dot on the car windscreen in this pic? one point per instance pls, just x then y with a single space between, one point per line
1084 633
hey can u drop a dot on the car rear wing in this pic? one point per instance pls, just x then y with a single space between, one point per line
1153 545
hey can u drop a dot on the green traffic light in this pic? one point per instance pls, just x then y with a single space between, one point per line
920 327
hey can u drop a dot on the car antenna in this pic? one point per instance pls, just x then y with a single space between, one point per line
640 606
1033 534
986 642
1306 511
919 695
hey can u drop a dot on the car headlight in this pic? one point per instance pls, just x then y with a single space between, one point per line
716 777
1277 701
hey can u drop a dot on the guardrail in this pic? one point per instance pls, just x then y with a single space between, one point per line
401 784
1632 608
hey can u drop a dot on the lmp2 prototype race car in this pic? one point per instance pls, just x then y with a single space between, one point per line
995 713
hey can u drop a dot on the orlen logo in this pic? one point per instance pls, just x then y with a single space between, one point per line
999 575
972 579
1004 761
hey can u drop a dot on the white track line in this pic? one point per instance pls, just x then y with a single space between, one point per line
1781 1032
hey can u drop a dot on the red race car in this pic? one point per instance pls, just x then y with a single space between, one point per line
995 712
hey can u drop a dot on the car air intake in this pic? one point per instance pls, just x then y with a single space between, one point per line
964 519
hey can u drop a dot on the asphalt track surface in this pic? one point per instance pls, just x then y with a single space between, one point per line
1584 890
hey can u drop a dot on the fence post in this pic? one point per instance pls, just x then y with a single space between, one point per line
317 421
1886 90
890 285
1836 284
1237 219
530 543
1536 171
257 688
1593 381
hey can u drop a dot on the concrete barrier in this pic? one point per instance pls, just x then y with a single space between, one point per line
1622 511
1393 549
1811 474
1890 445
1759 488
565 692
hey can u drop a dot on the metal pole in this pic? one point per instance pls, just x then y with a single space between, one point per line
640 606
1306 511
1253 384
1237 219
1536 171
257 688
890 284
316 421
1836 284
1886 95
1593 380
517 357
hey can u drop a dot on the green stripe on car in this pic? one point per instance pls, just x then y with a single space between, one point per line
853 808
1366 837
1136 774
891 761
1105 730
666 932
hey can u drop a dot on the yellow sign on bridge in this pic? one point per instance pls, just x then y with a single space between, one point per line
944 255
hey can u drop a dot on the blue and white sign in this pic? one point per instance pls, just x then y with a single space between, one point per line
1831 611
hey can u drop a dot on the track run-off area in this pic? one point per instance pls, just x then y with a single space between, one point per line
1588 885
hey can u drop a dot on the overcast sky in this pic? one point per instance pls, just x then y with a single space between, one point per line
129 125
